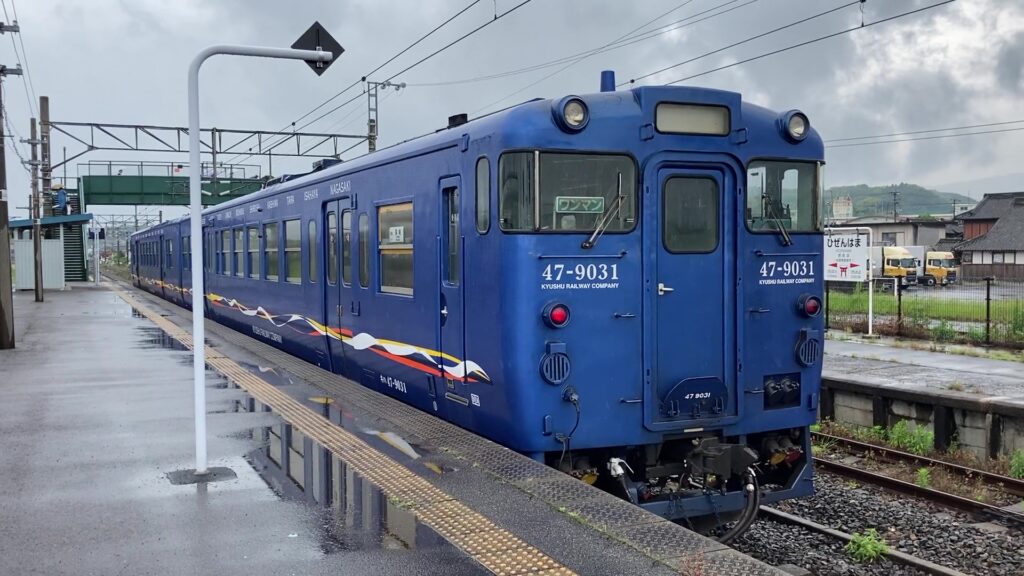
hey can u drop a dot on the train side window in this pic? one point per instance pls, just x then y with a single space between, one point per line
225 252
395 243
186 252
453 241
236 258
483 195
311 241
690 215
293 251
253 251
170 254
270 248
364 250
332 248
346 247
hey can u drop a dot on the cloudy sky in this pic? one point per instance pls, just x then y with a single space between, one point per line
125 61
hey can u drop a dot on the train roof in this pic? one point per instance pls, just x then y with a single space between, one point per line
530 116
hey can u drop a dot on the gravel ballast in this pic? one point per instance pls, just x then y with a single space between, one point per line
912 526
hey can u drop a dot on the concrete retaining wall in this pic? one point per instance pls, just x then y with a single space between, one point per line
987 429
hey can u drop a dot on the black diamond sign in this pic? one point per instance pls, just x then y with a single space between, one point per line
318 38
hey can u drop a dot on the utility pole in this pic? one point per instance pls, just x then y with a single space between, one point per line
371 112
895 203
6 288
44 130
37 210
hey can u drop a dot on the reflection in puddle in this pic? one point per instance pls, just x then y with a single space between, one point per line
354 513
153 337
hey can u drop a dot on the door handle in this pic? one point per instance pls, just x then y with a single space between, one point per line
662 289
444 312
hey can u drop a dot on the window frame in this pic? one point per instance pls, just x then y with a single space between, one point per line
486 194
252 252
718 212
410 246
287 251
346 242
332 247
312 263
745 200
363 228
265 255
238 245
637 210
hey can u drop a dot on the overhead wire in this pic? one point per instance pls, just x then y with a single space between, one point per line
741 42
22 62
496 18
14 134
622 43
24 54
932 130
586 55
937 137
813 41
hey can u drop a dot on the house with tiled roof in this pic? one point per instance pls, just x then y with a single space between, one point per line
993 238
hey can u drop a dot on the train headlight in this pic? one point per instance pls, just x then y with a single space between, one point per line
571 114
795 125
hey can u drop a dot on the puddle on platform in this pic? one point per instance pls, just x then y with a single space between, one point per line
153 337
353 513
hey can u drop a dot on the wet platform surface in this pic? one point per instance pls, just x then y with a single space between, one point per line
877 364
97 408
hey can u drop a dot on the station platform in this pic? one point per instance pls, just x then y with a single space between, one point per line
973 403
324 476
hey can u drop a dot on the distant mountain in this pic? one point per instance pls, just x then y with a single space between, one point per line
978 187
911 198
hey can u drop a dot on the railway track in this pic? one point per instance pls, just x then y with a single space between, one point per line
896 556
1004 483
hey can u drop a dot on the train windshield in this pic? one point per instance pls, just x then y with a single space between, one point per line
783 194
575 191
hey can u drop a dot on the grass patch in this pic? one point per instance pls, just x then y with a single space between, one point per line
916 440
924 478
1017 464
866 547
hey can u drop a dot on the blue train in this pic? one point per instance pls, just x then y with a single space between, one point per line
626 285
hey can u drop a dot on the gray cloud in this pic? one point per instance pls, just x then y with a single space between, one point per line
125 61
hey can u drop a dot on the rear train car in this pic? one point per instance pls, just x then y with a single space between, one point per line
625 285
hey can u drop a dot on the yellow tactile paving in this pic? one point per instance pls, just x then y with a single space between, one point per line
495 548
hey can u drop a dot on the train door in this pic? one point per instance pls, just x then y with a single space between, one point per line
161 252
451 304
339 304
692 295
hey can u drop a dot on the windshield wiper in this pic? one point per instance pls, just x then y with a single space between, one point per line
606 218
786 240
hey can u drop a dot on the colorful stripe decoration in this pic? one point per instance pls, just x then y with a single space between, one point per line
423 359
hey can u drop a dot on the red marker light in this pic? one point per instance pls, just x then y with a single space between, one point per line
812 306
556 315
559 315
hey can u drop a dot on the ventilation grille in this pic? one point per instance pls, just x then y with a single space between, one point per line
809 351
555 368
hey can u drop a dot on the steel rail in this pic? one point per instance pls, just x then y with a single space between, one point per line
893 555
911 489
1011 485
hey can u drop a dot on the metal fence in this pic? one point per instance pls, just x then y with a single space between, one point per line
982 312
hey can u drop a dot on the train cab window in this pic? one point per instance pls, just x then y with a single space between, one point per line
293 251
364 251
452 240
782 194
253 251
311 241
236 258
270 248
483 195
574 193
346 247
332 248
395 242
690 215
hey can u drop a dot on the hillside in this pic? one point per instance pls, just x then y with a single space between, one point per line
913 199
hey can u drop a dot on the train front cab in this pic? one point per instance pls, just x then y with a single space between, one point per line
694 311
